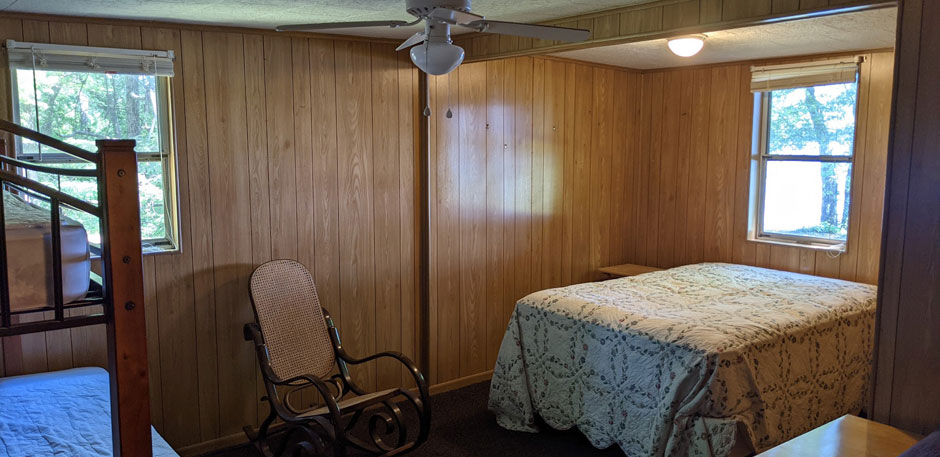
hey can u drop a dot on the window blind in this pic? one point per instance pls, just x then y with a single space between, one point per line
54 57
805 74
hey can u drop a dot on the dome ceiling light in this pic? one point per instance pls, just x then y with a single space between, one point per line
686 46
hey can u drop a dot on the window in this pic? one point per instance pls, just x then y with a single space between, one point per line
79 95
805 153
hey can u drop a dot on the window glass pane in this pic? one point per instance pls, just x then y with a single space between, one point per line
26 108
152 198
816 120
81 187
79 108
152 204
807 199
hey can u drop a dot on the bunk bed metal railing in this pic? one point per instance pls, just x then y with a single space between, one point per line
11 180
120 293
56 200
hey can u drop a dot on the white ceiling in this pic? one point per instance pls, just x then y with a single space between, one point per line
872 29
270 13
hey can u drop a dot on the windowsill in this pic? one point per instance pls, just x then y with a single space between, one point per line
149 249
834 248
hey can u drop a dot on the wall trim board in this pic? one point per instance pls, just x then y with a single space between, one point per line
762 61
237 439
460 382
765 61
189 26
587 63
213 445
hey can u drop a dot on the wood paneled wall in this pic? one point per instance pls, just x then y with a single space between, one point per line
544 171
908 343
691 176
288 148
529 174
547 170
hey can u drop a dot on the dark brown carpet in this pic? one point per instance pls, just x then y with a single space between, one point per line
462 427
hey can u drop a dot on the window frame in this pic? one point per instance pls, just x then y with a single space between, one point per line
763 157
167 157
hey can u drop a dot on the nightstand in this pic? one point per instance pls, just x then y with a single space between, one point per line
844 437
627 269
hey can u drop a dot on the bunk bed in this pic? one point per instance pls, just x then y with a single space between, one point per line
46 273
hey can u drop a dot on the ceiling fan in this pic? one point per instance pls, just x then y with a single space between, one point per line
437 54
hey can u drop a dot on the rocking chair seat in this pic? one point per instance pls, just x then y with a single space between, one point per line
357 403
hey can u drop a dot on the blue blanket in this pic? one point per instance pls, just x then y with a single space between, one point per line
927 447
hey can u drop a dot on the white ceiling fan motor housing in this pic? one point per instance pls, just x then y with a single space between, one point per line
422 8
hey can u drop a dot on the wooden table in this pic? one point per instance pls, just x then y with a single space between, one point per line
627 269
844 437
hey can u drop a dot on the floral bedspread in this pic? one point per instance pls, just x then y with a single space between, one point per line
671 363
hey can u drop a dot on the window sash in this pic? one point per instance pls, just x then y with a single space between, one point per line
766 107
163 112
764 157
166 156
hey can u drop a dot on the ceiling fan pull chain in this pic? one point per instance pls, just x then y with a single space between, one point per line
427 98
449 113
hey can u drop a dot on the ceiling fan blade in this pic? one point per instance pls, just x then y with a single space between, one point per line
338 25
412 40
453 16
545 32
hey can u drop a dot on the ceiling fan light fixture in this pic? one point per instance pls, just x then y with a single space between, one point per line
686 46
437 57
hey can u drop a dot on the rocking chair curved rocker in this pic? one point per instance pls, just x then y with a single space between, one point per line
298 347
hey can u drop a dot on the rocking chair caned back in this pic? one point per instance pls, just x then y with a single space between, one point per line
291 320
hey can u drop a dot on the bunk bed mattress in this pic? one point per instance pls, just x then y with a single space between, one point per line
62 413
29 254
692 361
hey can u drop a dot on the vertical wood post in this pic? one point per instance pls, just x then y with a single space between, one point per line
127 340
424 226
907 345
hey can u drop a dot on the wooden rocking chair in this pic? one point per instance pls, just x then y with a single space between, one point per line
298 347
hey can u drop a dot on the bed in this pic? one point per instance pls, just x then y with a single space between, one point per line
705 359
29 250
62 413
71 413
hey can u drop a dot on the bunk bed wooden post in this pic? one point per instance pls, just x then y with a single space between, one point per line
127 341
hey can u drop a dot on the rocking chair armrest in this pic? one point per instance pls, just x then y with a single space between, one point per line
408 363
304 380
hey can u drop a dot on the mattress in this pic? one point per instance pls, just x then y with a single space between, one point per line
29 254
62 413
696 360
